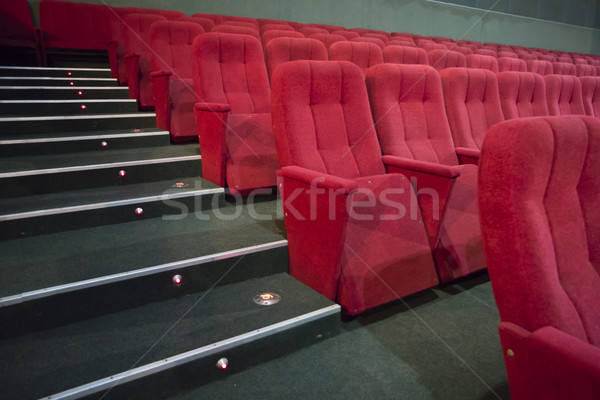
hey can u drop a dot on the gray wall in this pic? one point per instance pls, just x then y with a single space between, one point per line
415 16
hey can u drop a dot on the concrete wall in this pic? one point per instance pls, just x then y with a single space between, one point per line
415 16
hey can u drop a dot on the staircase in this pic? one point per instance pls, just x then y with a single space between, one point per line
124 273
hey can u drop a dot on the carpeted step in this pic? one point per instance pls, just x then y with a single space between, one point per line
12 92
12 108
63 72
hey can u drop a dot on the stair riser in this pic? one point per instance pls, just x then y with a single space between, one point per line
75 82
13 128
77 58
130 142
177 208
57 73
61 309
60 94
193 375
60 108
56 182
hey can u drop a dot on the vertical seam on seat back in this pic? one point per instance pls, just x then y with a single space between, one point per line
245 54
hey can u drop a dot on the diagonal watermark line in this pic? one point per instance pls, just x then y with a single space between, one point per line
177 76
462 360
174 325
364 135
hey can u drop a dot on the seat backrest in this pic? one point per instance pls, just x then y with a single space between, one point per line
281 50
363 54
171 42
270 35
522 94
585 70
206 23
347 34
400 41
590 92
482 62
239 30
405 55
217 19
322 119
564 59
308 31
230 69
429 45
541 67
239 23
486 52
250 20
379 36
408 106
461 49
472 104
137 34
511 64
441 59
563 95
375 41
579 60
276 27
563 68
327 38
509 54
15 21
527 56
547 57
539 180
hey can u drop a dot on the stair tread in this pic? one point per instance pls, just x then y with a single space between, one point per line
44 204
13 166
47 362
67 135
90 253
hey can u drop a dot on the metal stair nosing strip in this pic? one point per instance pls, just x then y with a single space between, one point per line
9 142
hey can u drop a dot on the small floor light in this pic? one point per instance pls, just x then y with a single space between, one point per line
223 363
177 279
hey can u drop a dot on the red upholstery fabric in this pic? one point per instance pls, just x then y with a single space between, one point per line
482 62
547 57
327 39
563 95
461 49
486 52
522 94
233 111
472 104
405 55
332 162
362 54
564 59
362 31
511 64
525 55
206 24
540 67
269 35
171 79
308 31
375 41
538 197
379 36
281 50
239 30
253 21
590 91
328 28
577 60
562 68
347 34
73 25
585 70
509 54
240 23
440 59
138 57
429 45
408 105
265 21
16 25
401 42
217 19
275 27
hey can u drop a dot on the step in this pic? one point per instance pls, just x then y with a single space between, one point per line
89 356
77 209
55 72
52 173
71 142
67 261
12 92
56 81
64 123
66 107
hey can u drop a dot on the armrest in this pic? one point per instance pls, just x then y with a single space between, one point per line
467 156
446 171
319 179
212 107
211 121
157 74
132 66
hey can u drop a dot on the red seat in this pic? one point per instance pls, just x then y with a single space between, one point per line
511 64
585 70
540 67
472 105
172 77
252 21
240 23
590 92
578 60
401 42
217 19
233 112
363 54
207 24
275 27
509 54
364 39
327 38
405 55
563 95
429 45
408 105
482 62
138 57
440 59
331 164
347 34
16 27
538 198
522 94
239 30
562 68
379 36
281 50
308 31
564 59
486 52
270 35
527 56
